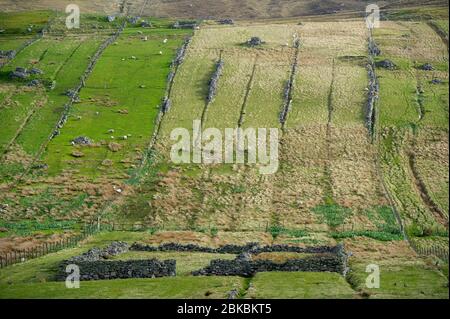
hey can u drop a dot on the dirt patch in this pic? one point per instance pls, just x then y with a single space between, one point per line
370 249
203 239
11 244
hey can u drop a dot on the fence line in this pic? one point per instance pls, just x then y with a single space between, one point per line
437 251
18 256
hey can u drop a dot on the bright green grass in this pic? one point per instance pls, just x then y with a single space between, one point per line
300 285
186 261
61 60
11 42
409 45
71 66
118 78
14 116
397 102
405 280
157 288
333 215
18 22
435 102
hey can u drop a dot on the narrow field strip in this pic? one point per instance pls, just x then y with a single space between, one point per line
440 216
247 93
288 94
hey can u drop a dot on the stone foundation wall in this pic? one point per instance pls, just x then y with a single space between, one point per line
252 248
120 269
247 268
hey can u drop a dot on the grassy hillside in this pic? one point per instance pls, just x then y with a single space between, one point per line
379 188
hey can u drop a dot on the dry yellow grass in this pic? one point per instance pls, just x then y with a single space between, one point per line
411 40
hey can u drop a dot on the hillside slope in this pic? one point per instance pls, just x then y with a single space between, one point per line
237 9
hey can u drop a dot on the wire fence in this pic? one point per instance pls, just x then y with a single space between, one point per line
431 250
21 255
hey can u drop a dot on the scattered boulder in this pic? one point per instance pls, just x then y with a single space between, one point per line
133 20
19 75
77 154
52 85
146 24
226 21
36 71
34 82
3 207
124 111
436 81
40 166
111 18
21 69
114 147
82 140
107 162
426 67
386 64
255 41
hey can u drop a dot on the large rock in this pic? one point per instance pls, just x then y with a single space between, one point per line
82 140
226 21
34 82
427 67
386 64
36 71
114 147
19 75
255 41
